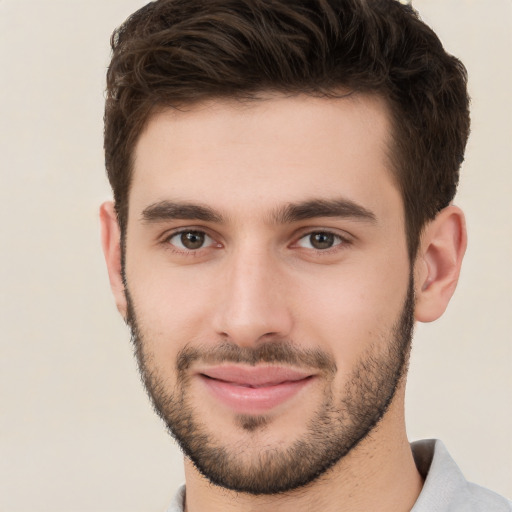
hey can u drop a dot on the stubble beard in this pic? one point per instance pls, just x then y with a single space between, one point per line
336 428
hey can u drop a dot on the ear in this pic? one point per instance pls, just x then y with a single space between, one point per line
437 267
111 243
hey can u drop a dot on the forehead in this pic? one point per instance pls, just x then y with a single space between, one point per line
265 152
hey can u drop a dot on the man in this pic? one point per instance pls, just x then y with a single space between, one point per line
283 175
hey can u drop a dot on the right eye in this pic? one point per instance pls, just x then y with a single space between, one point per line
190 240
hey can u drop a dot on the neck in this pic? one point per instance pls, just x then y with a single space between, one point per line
378 474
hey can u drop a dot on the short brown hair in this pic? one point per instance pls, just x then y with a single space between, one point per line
173 53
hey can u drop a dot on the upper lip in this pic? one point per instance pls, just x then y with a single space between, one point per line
254 376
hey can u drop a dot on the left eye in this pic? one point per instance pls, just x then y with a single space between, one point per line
190 240
320 240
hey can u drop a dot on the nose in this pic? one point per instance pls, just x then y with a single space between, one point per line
252 306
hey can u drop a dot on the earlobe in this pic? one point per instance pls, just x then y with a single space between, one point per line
437 267
111 243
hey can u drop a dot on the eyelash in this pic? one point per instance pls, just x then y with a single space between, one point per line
184 251
341 242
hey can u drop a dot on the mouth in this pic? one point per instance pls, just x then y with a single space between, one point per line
253 390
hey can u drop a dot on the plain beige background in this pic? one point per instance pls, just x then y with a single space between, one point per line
76 430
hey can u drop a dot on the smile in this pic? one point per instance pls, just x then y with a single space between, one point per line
253 390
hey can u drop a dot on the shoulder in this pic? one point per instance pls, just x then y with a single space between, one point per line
486 500
445 488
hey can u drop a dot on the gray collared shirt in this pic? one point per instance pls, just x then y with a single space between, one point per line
445 488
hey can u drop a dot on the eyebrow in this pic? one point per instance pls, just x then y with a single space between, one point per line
292 212
170 210
341 208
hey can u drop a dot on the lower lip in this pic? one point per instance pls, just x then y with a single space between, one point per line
247 400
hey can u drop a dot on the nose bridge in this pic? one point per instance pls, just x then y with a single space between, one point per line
252 306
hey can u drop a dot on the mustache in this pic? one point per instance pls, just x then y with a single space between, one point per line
272 352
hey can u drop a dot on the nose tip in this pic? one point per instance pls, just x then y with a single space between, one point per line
252 307
246 334
247 321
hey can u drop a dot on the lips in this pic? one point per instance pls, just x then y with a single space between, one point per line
254 376
253 390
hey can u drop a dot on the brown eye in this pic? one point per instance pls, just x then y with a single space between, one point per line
190 240
320 240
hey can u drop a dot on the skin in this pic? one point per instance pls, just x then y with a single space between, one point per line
258 278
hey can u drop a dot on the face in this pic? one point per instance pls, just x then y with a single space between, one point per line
268 284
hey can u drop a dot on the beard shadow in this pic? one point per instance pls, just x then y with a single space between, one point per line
335 429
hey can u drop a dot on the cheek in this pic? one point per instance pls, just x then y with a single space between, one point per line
345 314
169 307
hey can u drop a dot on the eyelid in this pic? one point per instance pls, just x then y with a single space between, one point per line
165 238
338 240
168 233
342 235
